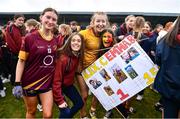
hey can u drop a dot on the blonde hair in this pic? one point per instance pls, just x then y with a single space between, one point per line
32 22
67 28
138 25
128 17
139 22
97 14
168 26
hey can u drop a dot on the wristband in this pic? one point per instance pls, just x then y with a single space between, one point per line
17 84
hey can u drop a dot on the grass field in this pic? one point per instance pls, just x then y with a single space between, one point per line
13 108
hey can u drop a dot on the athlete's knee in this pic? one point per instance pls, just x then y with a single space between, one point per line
47 114
31 112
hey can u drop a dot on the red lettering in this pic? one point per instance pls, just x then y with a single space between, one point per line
126 43
121 93
131 39
108 56
121 47
114 51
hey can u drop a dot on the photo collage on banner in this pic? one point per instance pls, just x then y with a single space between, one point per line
120 73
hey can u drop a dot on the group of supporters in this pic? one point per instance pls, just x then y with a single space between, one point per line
42 61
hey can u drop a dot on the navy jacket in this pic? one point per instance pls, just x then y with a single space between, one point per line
167 81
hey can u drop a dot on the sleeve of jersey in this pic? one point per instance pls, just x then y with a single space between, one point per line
57 82
25 48
83 33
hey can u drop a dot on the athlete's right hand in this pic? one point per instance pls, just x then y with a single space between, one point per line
17 91
63 105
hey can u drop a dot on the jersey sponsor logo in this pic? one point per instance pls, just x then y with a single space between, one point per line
48 60
40 47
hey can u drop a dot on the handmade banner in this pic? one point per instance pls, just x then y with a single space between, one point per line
120 73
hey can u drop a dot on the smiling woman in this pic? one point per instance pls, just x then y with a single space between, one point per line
99 21
37 54
63 83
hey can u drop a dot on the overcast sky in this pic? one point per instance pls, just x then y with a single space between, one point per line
116 6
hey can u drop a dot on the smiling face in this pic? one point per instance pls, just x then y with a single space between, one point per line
99 23
49 20
76 43
107 39
19 21
146 28
130 22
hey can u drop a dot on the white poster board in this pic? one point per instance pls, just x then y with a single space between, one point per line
120 73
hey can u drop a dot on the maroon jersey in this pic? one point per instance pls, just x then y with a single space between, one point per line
39 55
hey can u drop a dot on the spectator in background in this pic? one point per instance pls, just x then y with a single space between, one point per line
158 28
5 58
125 28
74 26
163 32
13 36
114 27
152 35
64 32
2 91
32 25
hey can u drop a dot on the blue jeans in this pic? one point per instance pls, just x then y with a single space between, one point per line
72 93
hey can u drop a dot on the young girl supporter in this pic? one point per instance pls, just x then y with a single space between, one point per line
99 22
36 66
66 66
107 41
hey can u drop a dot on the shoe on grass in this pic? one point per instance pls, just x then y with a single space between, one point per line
5 80
2 93
139 97
39 107
92 114
108 114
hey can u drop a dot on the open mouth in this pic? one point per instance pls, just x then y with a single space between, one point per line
106 42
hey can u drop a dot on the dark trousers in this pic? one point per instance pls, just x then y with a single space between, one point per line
1 84
171 108
6 62
141 92
123 110
72 93
14 60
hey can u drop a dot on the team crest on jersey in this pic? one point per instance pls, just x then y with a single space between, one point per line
49 49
